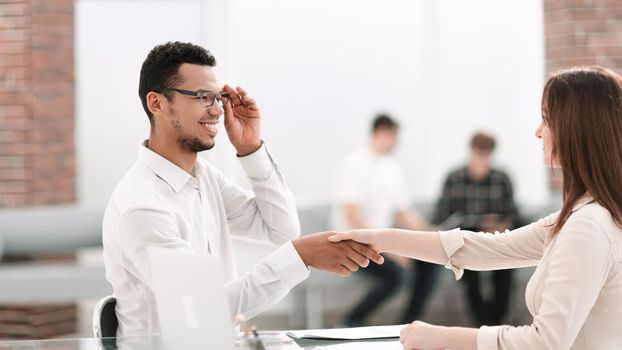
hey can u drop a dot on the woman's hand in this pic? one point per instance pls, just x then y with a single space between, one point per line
373 238
421 335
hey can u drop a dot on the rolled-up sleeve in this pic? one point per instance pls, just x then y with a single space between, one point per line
452 241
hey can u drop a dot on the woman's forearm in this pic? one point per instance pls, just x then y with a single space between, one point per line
421 335
420 245
460 338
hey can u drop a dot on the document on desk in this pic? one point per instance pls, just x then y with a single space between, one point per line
354 333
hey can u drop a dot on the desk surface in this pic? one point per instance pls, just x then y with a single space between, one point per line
129 343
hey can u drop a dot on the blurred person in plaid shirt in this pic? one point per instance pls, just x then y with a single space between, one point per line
478 197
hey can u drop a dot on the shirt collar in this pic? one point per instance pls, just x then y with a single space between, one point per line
173 175
584 200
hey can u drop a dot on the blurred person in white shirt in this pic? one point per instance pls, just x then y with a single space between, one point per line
370 192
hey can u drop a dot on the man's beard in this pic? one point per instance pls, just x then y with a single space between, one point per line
189 143
194 144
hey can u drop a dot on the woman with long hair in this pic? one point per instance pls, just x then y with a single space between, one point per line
575 293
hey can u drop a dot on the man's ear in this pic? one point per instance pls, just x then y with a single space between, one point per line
157 103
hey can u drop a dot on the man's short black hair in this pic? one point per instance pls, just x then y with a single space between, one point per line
384 121
161 68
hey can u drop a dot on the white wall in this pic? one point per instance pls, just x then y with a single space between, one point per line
112 40
488 73
320 70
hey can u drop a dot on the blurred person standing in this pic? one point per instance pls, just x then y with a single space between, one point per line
370 192
478 197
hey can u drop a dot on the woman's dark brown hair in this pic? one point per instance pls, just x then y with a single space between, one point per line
583 109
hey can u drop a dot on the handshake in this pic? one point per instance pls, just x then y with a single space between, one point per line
335 255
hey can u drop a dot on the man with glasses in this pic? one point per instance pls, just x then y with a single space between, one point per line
172 199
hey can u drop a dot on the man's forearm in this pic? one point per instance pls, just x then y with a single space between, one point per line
267 282
272 200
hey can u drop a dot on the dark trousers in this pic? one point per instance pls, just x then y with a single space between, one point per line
490 311
389 277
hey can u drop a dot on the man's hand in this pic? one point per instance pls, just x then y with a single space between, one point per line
341 258
242 121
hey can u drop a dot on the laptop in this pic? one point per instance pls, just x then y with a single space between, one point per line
191 300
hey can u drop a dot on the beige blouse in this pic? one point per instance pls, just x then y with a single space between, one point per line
575 293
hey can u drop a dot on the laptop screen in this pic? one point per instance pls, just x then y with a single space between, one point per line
191 301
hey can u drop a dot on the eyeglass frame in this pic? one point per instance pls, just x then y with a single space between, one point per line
199 94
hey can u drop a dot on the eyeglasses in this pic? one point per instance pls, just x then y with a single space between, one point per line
206 98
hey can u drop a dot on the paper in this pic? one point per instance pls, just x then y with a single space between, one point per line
355 333
379 345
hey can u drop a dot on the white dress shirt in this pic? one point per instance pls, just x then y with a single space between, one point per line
157 204
375 184
575 293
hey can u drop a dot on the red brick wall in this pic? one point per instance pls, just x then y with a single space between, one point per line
37 162
36 321
581 32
